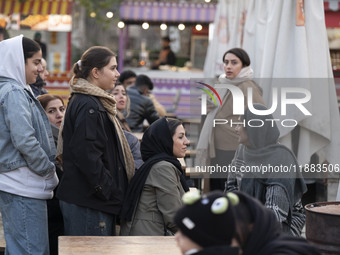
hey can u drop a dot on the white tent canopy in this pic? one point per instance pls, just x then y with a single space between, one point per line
285 49
279 47
228 33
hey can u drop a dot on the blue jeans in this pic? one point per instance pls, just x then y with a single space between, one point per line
25 224
83 221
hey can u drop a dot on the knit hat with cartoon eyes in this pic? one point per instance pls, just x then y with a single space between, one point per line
208 220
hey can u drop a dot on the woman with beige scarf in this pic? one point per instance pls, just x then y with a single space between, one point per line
217 145
96 157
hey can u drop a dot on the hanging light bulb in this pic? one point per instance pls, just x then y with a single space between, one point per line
181 27
145 25
163 26
93 14
121 24
198 27
109 15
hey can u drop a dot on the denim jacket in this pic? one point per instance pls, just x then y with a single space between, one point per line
26 138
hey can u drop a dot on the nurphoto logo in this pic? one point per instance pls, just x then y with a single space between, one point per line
297 97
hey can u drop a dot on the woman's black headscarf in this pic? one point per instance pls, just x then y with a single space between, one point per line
266 236
156 146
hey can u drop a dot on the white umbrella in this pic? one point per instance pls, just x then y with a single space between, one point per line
282 47
228 33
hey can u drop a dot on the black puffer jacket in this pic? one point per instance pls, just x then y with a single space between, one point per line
94 169
141 108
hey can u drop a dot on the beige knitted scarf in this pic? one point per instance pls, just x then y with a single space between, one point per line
82 86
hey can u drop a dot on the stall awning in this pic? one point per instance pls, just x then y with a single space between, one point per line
42 7
170 12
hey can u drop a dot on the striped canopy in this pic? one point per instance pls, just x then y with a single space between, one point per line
169 12
42 7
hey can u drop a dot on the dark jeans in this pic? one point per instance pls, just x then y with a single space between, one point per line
83 221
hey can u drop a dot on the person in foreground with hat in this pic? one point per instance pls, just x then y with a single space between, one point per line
206 224
258 232
233 223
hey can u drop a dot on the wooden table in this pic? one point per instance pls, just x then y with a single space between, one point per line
118 245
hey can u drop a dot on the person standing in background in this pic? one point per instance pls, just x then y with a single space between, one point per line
38 86
37 38
141 106
217 145
27 171
3 34
121 97
96 156
55 110
128 78
166 55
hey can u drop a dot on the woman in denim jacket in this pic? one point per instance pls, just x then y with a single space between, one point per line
27 150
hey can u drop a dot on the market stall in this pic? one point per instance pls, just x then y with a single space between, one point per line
52 20
170 80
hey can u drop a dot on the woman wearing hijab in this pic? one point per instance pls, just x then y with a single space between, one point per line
259 233
280 191
217 145
27 150
155 192
96 157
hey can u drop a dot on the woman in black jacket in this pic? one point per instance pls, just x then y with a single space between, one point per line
96 157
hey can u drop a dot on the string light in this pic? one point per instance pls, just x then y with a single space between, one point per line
121 24
109 15
181 27
163 26
198 27
145 25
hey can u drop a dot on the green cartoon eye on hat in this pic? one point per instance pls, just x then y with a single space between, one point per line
233 198
220 205
191 197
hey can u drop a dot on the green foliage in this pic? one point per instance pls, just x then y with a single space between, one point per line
100 7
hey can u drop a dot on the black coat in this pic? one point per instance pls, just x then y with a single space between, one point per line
93 162
141 108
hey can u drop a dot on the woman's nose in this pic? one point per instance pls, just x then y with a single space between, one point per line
60 114
40 68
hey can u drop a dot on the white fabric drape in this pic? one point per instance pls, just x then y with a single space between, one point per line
278 48
228 33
